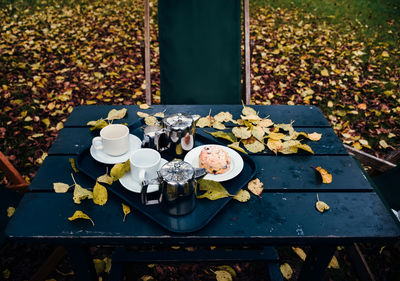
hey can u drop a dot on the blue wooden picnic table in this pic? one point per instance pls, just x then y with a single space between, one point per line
285 214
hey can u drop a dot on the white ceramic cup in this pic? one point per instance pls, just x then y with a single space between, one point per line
113 140
145 163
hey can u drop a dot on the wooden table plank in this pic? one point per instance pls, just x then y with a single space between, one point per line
274 218
278 173
73 140
304 116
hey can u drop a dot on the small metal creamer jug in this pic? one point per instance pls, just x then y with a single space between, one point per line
176 134
177 181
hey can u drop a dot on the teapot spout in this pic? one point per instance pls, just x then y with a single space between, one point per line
199 173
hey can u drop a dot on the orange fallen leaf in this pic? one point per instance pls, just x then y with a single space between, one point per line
326 177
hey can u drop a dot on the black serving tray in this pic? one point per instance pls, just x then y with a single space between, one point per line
205 209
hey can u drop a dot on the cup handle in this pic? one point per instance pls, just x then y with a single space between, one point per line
97 143
143 192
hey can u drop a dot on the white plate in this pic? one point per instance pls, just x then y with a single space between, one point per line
133 185
236 162
134 144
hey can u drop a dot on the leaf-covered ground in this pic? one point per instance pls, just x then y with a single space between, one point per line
55 56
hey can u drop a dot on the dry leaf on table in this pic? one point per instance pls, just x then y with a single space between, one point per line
81 193
223 117
242 196
321 206
97 125
223 135
241 132
105 179
222 275
150 120
213 190
204 122
248 111
142 114
80 215
10 211
119 170
255 186
286 271
60 187
236 145
116 114
314 136
326 177
144 106
254 146
73 165
126 210
100 194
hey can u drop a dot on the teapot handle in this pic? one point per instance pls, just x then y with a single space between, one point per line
143 192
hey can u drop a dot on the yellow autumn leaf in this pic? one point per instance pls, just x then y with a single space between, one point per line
142 114
265 123
255 186
150 120
258 133
213 190
116 114
73 164
385 54
286 271
223 117
248 111
144 106
305 147
100 194
326 177
334 263
321 206
236 145
289 147
218 125
275 136
81 193
10 211
274 145
46 121
227 268
99 266
223 135
204 122
383 143
241 132
97 125
325 72
60 187
300 252
251 117
119 170
105 179
126 210
159 114
80 215
242 196
222 275
314 136
254 146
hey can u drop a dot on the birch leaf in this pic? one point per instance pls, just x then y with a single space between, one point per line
321 206
300 253
60 187
213 190
289 147
105 179
305 147
236 145
159 114
251 117
222 275
248 111
276 136
326 177
223 117
265 123
119 170
100 194
204 122
144 106
218 125
242 196
286 271
223 135
274 145
126 210
150 120
255 146
334 263
255 186
80 215
241 132
73 165
116 114
142 114
97 125
81 193
258 133
315 136
10 211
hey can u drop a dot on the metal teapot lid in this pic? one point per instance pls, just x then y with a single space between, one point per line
176 172
178 121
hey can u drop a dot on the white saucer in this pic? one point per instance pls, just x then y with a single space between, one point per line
134 144
192 157
133 185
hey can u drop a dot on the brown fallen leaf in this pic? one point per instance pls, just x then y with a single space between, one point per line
255 186
326 177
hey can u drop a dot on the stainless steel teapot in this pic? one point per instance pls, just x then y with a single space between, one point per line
175 133
177 183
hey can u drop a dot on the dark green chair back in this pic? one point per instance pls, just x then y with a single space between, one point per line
388 185
200 57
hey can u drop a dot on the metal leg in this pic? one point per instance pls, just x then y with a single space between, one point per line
81 261
316 263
